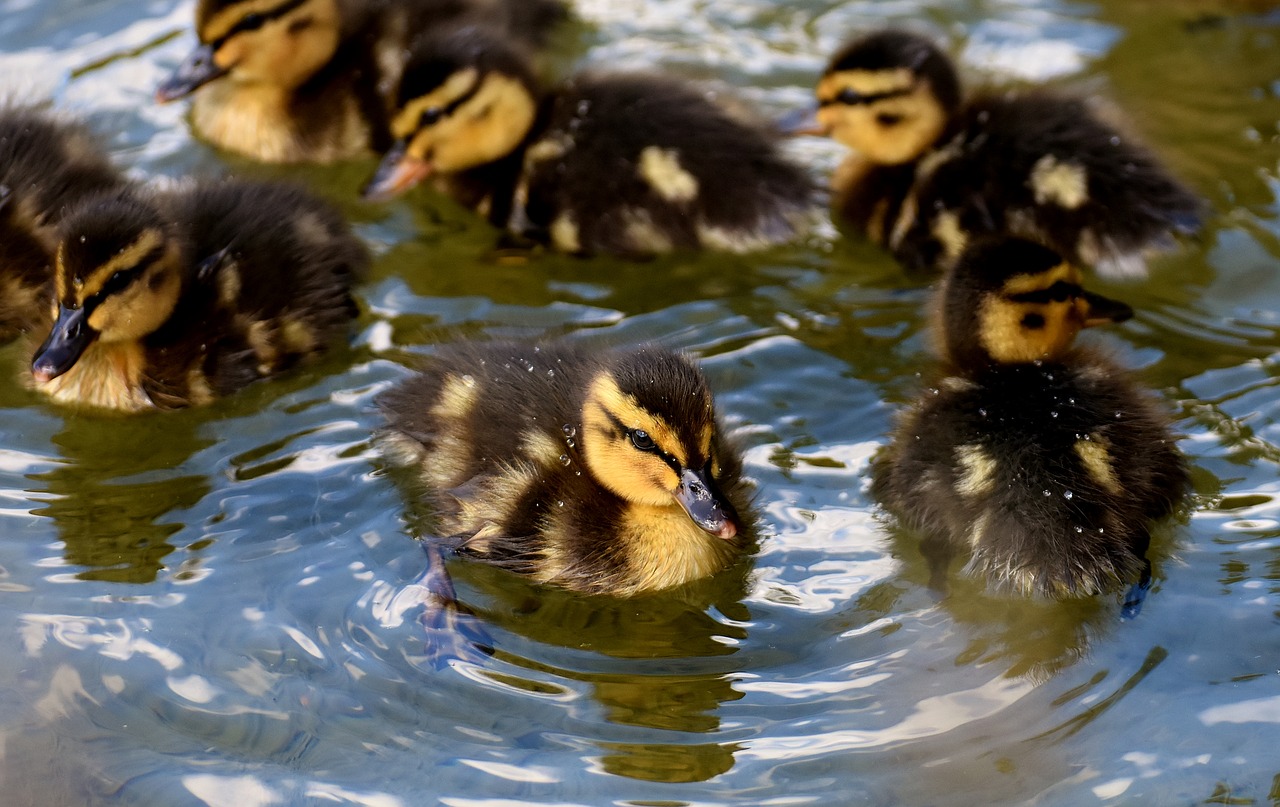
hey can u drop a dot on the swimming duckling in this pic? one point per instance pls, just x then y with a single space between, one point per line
1043 460
599 471
932 171
609 163
310 80
46 164
171 299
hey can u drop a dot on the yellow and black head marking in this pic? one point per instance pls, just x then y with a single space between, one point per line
889 96
279 43
117 277
467 98
1013 302
649 436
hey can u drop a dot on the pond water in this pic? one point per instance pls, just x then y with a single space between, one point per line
219 606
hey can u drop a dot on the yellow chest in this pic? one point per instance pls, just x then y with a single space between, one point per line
259 122
663 546
106 376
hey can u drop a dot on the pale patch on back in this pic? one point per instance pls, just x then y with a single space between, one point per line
643 235
946 228
1062 183
565 234
541 448
661 169
977 471
1096 456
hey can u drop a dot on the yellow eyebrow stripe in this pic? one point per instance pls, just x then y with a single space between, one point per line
127 258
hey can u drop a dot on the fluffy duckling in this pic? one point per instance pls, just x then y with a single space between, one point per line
46 165
309 80
610 163
599 471
168 300
932 171
1043 460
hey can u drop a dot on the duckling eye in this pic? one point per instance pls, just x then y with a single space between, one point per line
849 96
251 21
430 117
1033 322
888 119
641 440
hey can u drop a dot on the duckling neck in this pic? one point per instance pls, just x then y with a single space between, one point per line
108 375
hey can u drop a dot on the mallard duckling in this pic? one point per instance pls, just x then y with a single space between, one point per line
309 80
46 164
1043 460
932 171
599 471
167 300
610 163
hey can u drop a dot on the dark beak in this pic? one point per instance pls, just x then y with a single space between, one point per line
1104 310
67 341
706 506
801 122
398 172
197 70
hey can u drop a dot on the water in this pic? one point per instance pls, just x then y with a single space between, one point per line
218 606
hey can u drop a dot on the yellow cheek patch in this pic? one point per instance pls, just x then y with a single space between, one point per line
606 394
405 123
865 82
127 258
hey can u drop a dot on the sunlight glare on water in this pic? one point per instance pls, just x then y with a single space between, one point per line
222 606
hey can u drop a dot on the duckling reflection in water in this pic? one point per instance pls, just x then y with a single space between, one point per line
308 80
1043 460
931 171
601 471
624 164
46 166
163 300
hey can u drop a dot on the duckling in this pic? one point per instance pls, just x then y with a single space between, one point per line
309 80
46 164
163 300
1045 461
628 164
600 471
932 171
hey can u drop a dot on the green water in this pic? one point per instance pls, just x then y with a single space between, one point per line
218 606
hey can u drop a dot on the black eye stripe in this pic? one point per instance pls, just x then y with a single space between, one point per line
1059 292
435 114
850 97
121 279
255 20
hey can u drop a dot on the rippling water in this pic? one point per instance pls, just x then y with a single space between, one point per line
220 606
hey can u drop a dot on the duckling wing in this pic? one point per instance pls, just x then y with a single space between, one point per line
638 164
1045 167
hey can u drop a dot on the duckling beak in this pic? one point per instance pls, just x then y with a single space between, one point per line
802 122
197 70
67 341
704 504
398 172
1104 311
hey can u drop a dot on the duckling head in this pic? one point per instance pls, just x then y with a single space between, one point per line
117 277
650 437
467 97
1012 302
276 43
888 96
